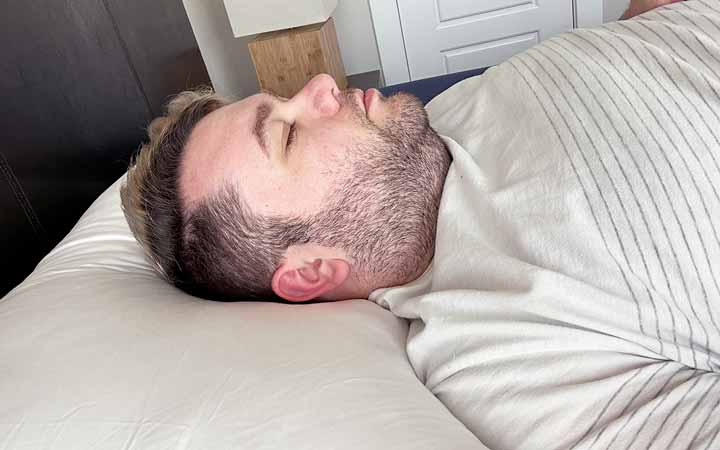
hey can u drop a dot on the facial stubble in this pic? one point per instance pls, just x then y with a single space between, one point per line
385 214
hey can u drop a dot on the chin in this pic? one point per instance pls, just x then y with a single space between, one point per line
406 119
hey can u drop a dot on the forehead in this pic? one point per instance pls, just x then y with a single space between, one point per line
212 148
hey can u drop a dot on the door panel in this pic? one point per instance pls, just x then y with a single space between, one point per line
487 54
457 9
445 36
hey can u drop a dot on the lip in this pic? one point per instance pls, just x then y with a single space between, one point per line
359 96
368 98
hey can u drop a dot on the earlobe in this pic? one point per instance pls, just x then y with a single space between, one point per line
311 280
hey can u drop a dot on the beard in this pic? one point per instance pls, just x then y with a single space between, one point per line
385 215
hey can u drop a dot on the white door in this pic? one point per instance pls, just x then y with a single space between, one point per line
445 36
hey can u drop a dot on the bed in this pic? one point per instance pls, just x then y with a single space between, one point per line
97 352
555 314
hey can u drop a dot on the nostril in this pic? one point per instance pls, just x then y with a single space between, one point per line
326 105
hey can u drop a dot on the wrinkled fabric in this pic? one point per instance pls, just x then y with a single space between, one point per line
574 298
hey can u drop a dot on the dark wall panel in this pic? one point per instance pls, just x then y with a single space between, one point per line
175 63
79 81
22 238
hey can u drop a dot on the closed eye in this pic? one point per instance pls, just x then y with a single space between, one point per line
291 136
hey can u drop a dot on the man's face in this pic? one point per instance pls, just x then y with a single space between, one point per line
368 170
285 156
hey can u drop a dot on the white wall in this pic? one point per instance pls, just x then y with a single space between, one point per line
226 57
356 36
228 60
613 9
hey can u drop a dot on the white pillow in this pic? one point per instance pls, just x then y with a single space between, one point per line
96 351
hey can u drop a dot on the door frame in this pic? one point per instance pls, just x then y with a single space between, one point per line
385 15
587 13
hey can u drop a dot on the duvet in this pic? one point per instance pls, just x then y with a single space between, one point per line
574 298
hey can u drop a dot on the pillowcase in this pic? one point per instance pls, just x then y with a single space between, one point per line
96 351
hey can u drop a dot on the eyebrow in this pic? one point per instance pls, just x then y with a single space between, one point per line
261 115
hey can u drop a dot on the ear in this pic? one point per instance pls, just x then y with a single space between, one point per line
310 280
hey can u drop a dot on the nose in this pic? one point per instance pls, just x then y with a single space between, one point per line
318 96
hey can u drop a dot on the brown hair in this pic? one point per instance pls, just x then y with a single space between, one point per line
149 197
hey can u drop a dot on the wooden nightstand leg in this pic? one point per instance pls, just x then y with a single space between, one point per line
285 60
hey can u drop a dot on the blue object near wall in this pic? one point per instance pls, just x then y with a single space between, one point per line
427 88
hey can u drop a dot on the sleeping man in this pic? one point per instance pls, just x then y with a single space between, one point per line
553 238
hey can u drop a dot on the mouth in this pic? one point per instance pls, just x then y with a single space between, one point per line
365 99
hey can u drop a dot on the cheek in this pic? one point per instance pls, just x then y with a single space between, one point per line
326 170
317 167
331 154
296 189
288 195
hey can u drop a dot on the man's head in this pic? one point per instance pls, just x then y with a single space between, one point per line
328 195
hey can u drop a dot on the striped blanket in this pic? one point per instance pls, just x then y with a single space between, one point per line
574 298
